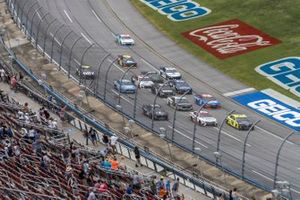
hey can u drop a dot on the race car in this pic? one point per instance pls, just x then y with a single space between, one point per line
169 73
239 121
85 72
126 61
124 39
179 103
142 81
124 86
208 100
156 77
203 118
181 86
165 91
159 113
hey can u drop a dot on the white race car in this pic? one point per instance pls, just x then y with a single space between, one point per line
142 81
203 118
124 39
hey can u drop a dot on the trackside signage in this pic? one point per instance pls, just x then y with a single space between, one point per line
230 38
178 10
284 72
272 108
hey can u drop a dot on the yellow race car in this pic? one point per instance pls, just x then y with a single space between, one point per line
239 121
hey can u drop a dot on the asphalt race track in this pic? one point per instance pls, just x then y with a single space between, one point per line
99 21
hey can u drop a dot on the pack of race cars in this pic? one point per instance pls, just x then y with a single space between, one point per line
166 83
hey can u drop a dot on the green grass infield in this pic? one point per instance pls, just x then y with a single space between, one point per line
279 19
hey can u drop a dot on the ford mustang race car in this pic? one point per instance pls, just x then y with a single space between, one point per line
203 118
239 121
165 91
181 103
169 73
159 113
124 39
85 72
142 81
208 100
126 61
124 86
181 86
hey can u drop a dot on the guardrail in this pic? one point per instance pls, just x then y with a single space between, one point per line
36 23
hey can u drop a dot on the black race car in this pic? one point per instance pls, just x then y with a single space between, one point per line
85 72
165 91
158 113
126 61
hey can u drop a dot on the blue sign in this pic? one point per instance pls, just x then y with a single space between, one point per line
271 108
284 72
177 10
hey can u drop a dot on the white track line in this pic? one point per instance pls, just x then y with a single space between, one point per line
66 13
96 16
86 38
268 178
225 133
187 137
269 133
116 66
228 94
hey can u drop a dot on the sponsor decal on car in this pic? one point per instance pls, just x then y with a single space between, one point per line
284 72
230 38
272 108
178 10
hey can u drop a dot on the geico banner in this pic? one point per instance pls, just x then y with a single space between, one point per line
177 10
284 72
272 108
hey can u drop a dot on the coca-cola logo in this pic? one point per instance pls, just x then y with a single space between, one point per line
230 38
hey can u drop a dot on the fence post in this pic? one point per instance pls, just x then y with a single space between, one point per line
106 76
220 129
277 157
124 74
27 18
22 11
61 48
45 37
52 42
98 72
35 12
81 61
195 126
70 55
38 29
245 144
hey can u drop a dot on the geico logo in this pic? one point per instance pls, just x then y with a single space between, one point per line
285 72
277 111
177 10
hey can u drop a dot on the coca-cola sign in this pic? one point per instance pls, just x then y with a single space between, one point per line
230 38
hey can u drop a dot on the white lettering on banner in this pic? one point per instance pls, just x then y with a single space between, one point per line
277 111
226 41
177 10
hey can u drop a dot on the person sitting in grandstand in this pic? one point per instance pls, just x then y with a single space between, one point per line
103 187
86 167
136 181
26 118
20 115
129 189
25 108
2 75
114 163
3 96
105 139
65 156
91 195
52 123
106 164
13 83
113 142
93 135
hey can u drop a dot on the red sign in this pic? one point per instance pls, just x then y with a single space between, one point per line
230 38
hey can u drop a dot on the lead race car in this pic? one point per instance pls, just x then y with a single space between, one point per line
124 39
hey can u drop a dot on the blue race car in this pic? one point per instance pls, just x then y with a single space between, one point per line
208 100
181 86
125 86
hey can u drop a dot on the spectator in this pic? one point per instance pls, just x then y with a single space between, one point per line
17 150
137 156
106 164
160 184
175 188
168 186
46 114
46 160
103 187
162 192
136 181
86 167
235 194
105 139
66 155
113 142
221 197
129 189
114 163
13 83
230 195
26 108
62 112
92 195
93 135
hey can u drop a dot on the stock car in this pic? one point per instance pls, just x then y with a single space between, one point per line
124 86
169 73
142 81
85 72
159 113
126 60
181 86
239 121
124 39
179 103
156 77
165 91
208 100
203 118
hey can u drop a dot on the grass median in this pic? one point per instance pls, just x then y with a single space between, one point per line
276 18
